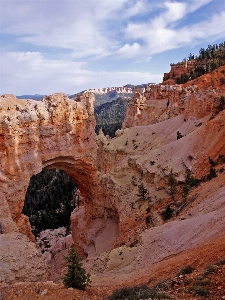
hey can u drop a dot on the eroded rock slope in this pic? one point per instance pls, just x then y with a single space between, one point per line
116 228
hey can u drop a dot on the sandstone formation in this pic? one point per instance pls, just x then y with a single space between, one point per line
54 133
162 102
119 90
180 68
54 245
212 79
20 260
114 227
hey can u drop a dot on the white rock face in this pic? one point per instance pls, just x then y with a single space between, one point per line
119 90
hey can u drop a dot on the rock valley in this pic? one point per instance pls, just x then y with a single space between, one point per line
122 236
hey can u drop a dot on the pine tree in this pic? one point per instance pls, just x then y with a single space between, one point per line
172 182
167 213
142 192
76 276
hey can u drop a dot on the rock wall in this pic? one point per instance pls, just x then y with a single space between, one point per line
55 133
59 133
158 103
48 134
184 67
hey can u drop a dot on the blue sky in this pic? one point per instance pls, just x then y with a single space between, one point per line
50 46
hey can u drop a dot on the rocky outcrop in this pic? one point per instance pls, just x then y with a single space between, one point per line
112 212
54 245
20 260
158 103
55 133
184 67
119 90
37 135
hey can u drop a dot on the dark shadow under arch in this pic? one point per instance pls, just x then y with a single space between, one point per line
50 199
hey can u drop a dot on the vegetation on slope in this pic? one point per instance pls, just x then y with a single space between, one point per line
109 97
76 276
109 116
207 61
49 200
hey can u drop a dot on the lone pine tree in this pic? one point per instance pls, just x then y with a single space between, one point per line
142 192
172 182
76 276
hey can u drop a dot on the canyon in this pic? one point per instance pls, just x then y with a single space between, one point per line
121 234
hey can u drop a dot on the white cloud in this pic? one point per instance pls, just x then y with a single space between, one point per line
29 73
175 11
100 30
128 50
139 8
75 25
162 32
96 29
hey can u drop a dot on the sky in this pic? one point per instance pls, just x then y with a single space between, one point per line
51 46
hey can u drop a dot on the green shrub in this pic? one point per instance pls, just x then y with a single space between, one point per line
190 182
167 213
209 270
148 219
221 262
186 270
179 135
221 105
212 173
142 192
221 159
212 162
76 276
201 291
172 183
162 286
136 293
148 209
199 288
222 80
188 281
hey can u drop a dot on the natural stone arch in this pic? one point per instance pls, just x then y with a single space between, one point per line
34 136
54 133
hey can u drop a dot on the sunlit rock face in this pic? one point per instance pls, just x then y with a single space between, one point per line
54 133
60 133
162 102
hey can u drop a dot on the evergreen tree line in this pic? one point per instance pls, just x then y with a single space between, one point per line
110 116
49 200
207 61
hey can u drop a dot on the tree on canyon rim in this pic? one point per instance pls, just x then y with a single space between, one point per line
76 276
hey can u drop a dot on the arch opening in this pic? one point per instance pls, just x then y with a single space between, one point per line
50 199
